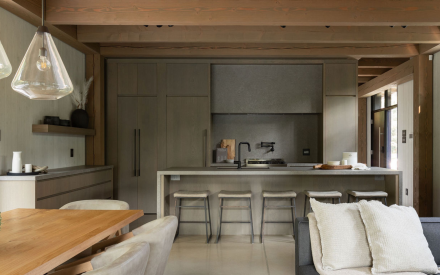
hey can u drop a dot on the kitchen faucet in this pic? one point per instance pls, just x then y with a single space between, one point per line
239 150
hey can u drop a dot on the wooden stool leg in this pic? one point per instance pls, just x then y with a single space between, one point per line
305 205
333 200
348 198
339 199
262 219
385 199
219 228
206 220
252 223
209 214
293 210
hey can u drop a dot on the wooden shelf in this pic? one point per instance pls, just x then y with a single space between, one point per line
54 129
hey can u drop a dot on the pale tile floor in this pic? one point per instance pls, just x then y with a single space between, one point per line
233 255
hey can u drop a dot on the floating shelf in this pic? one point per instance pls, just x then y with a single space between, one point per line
54 129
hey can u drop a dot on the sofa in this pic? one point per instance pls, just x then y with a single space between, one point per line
303 250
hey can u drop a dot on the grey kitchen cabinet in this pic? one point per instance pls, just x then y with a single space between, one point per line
188 79
340 126
137 152
187 131
266 88
340 79
136 79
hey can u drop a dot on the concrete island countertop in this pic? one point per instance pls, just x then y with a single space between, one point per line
300 171
59 172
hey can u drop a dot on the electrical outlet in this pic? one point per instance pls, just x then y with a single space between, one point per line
406 191
71 153
306 152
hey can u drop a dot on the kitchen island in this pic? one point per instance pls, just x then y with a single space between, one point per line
257 180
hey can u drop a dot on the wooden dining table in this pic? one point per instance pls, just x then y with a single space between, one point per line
34 241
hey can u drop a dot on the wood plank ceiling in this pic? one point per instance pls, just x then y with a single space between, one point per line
380 34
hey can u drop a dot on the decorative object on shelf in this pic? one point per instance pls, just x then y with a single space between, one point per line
17 166
221 155
65 122
351 157
79 117
40 169
5 65
42 74
231 149
28 168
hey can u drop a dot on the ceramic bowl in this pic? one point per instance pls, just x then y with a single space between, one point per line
230 161
333 162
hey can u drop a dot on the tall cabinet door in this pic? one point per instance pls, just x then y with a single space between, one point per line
127 151
147 177
187 127
340 126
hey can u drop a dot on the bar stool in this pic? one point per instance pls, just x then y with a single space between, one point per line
375 195
320 195
278 195
180 195
223 195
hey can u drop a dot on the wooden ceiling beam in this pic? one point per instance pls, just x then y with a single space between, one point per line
429 48
381 62
372 71
256 34
257 50
365 79
244 12
31 12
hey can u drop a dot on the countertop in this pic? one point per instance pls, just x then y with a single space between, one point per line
59 172
300 171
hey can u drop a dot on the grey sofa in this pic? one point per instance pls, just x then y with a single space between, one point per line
303 251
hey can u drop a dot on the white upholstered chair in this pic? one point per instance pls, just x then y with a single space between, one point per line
158 233
127 259
97 205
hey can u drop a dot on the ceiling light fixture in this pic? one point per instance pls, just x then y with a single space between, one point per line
5 65
42 74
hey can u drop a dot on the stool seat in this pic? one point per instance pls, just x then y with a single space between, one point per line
279 194
323 194
368 194
235 194
191 194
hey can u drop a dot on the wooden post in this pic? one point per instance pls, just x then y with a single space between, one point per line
423 137
95 145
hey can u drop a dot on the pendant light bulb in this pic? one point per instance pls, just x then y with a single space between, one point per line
5 65
43 64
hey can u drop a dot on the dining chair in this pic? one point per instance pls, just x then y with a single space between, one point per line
97 205
127 259
158 233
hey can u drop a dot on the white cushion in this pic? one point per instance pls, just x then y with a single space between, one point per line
315 241
343 238
323 194
191 194
279 194
235 194
396 239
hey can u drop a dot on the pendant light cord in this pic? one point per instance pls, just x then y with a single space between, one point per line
43 15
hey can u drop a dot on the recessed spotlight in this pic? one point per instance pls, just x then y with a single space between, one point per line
283 27
159 26
146 26
170 26
327 27
404 27
391 26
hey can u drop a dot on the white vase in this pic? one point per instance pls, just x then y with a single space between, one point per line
17 166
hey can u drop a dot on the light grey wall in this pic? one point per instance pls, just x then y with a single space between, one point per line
291 133
17 113
436 134
266 89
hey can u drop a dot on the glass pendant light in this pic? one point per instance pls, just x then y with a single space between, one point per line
5 65
42 74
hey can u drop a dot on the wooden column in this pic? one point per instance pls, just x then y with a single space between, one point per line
423 138
95 145
362 130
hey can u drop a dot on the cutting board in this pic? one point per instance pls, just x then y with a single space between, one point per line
230 144
332 167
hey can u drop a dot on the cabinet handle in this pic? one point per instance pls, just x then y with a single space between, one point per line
135 153
139 152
